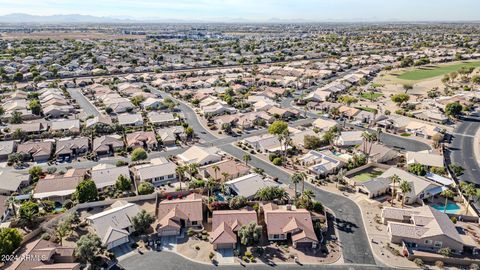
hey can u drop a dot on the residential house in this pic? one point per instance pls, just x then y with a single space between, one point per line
6 148
425 158
131 120
286 222
321 162
63 125
229 168
349 138
114 225
68 148
265 143
45 255
248 185
375 187
37 151
106 175
226 224
177 214
162 119
158 172
421 188
142 139
425 229
107 145
324 124
101 120
12 182
58 187
377 152
200 155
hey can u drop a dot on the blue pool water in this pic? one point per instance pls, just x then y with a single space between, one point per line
452 208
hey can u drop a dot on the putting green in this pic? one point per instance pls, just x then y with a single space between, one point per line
428 72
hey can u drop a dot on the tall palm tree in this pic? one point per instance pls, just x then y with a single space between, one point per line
247 158
10 202
192 169
405 187
395 179
180 171
296 178
304 178
225 176
469 191
211 183
308 195
447 194
215 170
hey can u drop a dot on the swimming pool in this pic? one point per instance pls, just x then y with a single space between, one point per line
452 208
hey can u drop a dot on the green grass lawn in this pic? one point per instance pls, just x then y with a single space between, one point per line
367 175
428 72
367 109
370 96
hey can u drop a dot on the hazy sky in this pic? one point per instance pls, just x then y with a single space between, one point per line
313 10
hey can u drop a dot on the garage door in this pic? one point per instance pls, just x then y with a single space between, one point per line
224 246
304 245
169 232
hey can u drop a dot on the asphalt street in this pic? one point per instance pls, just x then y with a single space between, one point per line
87 107
462 151
172 261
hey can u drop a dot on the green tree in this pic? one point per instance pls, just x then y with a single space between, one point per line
16 118
35 107
28 211
250 234
246 158
139 154
123 183
142 221
453 109
189 132
406 188
137 100
63 229
395 179
312 142
86 191
271 194
278 127
18 76
417 168
237 202
10 240
89 247
35 172
400 98
348 100
145 188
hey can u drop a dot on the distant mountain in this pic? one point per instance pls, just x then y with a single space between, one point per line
67 18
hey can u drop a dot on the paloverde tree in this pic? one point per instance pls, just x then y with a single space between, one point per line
142 221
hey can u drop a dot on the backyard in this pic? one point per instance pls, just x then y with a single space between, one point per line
367 174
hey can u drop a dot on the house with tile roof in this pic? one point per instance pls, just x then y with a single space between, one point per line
226 224
424 228
38 151
173 215
287 222
114 225
200 155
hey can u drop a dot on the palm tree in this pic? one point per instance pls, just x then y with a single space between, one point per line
395 178
192 169
225 176
211 183
469 191
11 201
296 178
247 158
405 187
215 170
366 138
180 171
447 194
304 177
308 195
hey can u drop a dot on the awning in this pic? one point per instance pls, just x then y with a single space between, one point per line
439 179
